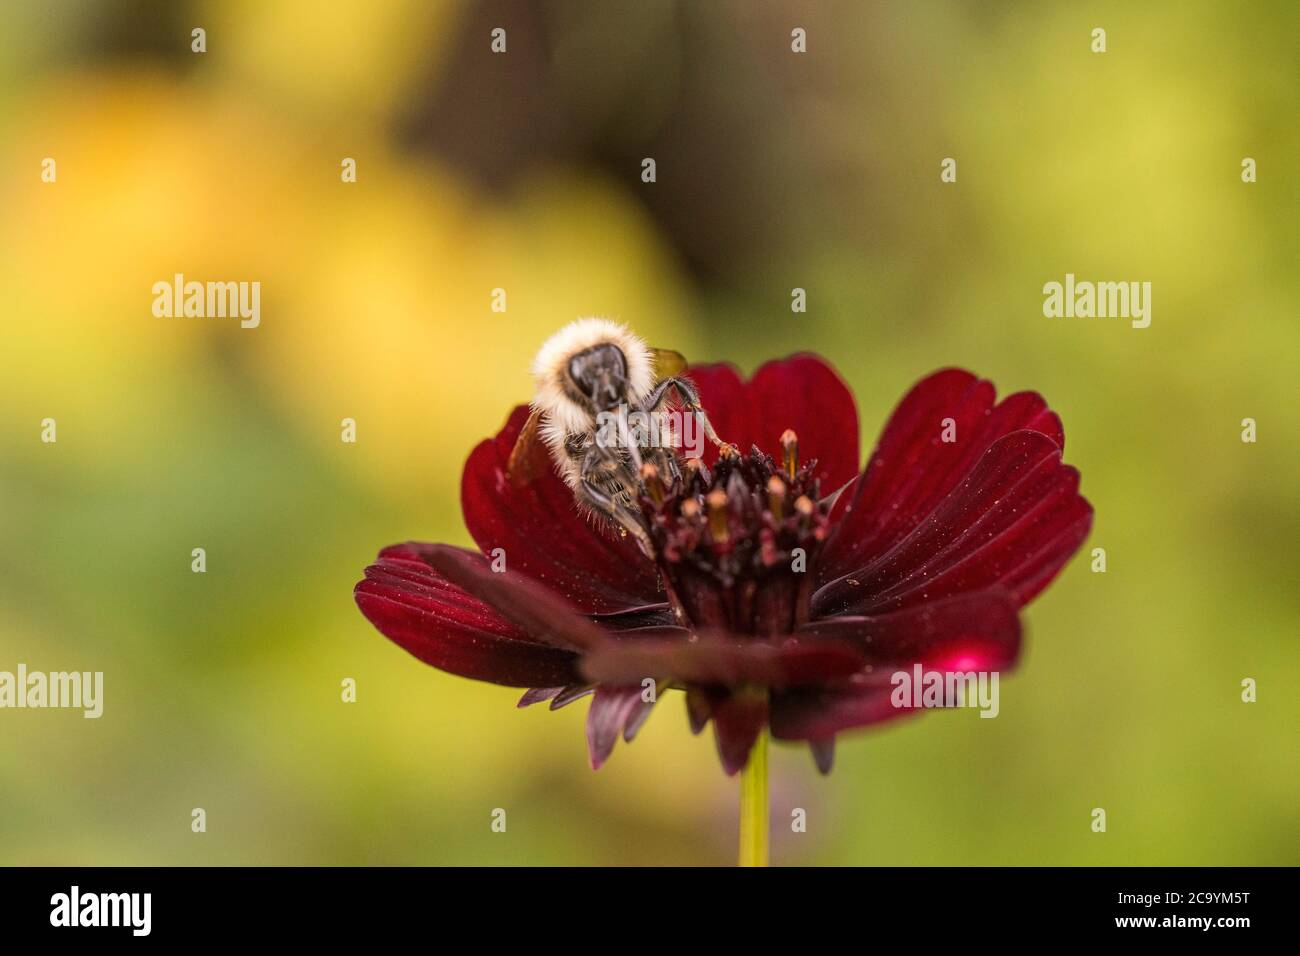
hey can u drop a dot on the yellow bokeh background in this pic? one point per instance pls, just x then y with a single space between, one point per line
775 171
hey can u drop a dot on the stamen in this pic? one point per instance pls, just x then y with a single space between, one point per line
738 495
693 468
717 502
790 452
653 486
776 497
724 537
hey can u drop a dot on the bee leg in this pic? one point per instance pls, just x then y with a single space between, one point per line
666 462
690 396
607 506
631 445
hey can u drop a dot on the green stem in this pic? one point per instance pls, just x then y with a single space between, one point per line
753 806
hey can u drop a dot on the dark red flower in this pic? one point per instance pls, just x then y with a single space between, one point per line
783 594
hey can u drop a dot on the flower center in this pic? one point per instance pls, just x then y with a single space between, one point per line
735 544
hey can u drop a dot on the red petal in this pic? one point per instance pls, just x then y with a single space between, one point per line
668 653
981 629
525 602
973 632
1016 514
802 393
820 714
633 618
442 625
699 705
724 395
543 535
1022 559
913 471
737 722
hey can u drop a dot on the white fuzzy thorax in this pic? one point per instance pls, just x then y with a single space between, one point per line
563 415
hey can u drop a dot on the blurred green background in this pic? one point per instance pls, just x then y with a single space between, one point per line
522 171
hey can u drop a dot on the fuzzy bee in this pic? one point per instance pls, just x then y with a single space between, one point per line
601 409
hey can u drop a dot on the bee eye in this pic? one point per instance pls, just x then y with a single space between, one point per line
599 373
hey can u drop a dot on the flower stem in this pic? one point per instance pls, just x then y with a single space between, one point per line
753 806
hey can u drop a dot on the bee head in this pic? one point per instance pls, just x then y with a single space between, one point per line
588 367
598 375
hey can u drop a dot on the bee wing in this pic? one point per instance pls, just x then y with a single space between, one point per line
668 364
530 457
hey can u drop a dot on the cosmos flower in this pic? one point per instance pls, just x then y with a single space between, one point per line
788 584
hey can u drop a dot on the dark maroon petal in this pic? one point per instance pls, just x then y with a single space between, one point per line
724 396
911 470
572 693
717 660
1036 571
811 714
1022 559
737 722
543 536
639 714
823 754
613 710
536 695
446 627
972 632
805 394
981 629
651 615
699 706
520 599
802 393
1017 499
